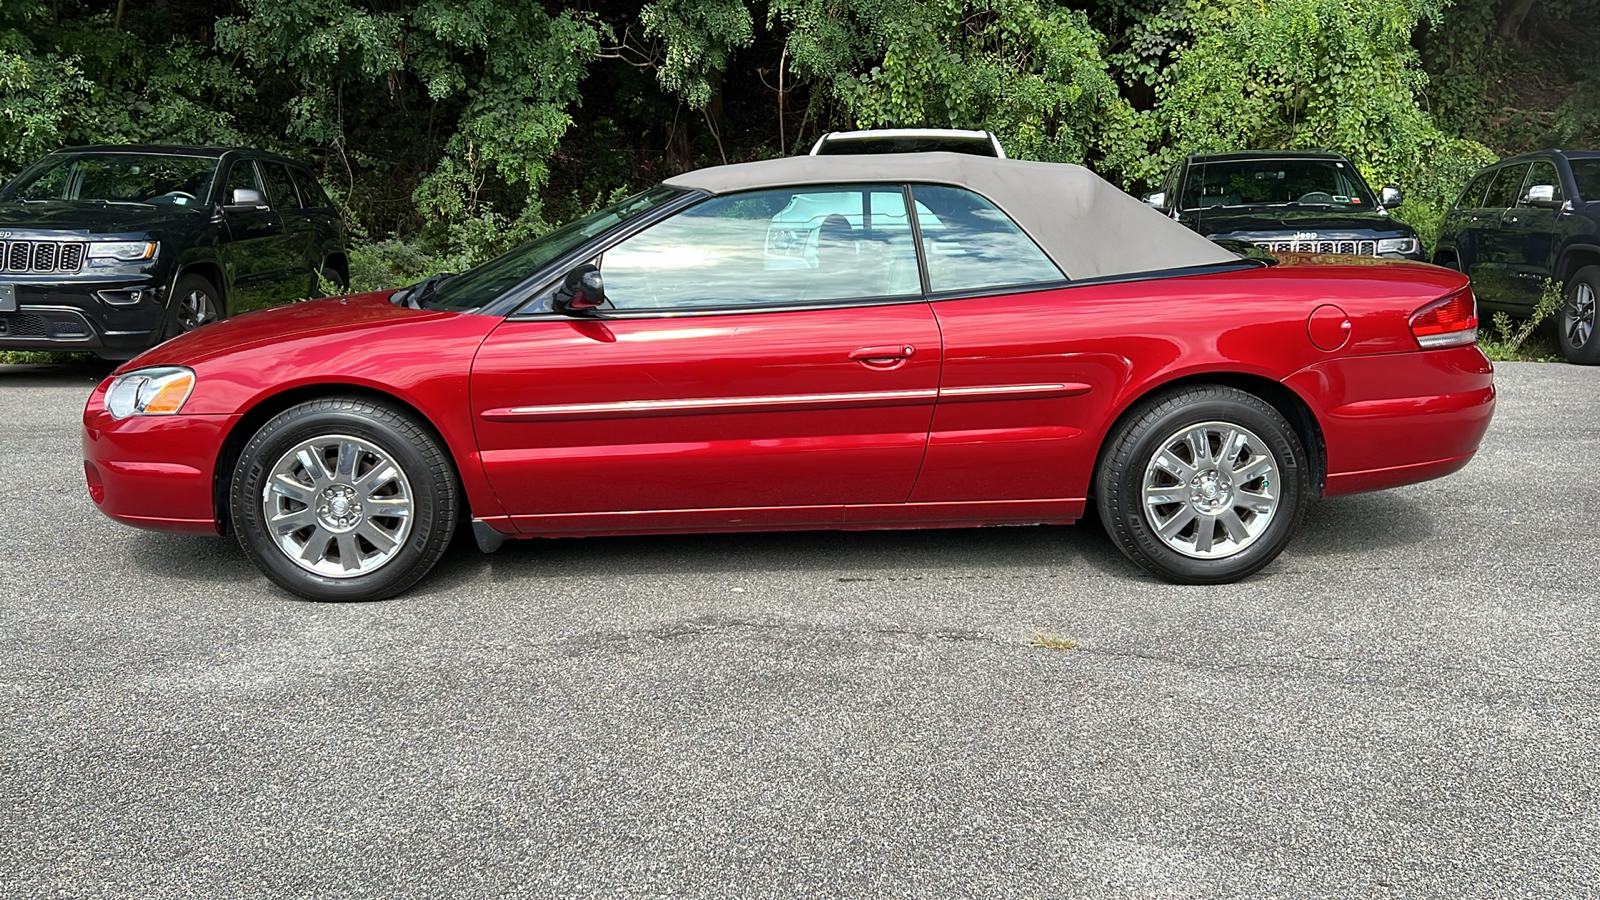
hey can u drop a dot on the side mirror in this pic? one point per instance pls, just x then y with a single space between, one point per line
246 198
1158 199
583 291
1542 195
1391 197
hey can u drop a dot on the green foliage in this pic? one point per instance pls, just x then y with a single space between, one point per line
448 130
1508 341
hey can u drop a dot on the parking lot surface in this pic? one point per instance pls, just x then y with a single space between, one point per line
1405 704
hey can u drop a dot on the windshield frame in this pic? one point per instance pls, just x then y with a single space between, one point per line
518 291
50 162
1196 171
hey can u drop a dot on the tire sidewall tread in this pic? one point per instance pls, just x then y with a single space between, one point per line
427 467
1120 475
1589 354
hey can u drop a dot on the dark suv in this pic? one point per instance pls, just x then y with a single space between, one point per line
1526 219
113 249
1286 202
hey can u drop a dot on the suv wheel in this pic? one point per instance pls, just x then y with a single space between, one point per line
195 302
1579 343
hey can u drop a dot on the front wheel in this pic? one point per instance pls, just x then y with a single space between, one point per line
195 302
1204 485
344 499
1579 343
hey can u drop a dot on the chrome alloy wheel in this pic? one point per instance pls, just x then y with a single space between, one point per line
1211 490
1579 316
195 309
338 506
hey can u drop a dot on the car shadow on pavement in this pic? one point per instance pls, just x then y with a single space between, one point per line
1022 547
1362 523
188 557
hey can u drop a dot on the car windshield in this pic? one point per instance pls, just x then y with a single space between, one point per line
143 178
1586 172
475 287
1276 182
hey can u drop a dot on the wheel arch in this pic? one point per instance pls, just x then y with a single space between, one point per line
267 407
210 270
1280 397
1575 257
339 262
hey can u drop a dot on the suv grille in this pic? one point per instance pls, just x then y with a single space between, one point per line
1349 248
41 256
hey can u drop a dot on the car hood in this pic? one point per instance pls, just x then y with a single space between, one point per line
334 318
92 218
1326 223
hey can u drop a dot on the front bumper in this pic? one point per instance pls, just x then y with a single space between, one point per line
156 472
118 315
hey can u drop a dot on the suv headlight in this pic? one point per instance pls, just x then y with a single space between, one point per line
127 251
1397 245
158 391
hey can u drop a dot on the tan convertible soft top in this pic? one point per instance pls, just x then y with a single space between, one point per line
1088 227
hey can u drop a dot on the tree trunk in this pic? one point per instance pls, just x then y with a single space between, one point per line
1511 20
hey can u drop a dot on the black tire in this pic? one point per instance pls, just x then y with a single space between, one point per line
377 436
1130 460
330 275
1576 323
195 302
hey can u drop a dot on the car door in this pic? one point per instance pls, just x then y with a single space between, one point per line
1009 397
1456 237
761 359
1530 234
1494 251
293 281
256 245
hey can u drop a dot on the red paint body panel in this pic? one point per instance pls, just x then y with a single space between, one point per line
755 410
988 410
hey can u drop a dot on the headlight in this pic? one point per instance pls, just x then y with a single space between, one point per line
1397 245
160 391
127 251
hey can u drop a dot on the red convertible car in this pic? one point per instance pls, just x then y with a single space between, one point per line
895 341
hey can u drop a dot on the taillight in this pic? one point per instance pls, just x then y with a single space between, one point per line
1447 322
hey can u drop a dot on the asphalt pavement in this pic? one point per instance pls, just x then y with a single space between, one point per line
1405 704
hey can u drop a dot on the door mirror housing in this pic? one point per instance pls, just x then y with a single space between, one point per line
1391 197
245 198
1157 199
583 290
1542 195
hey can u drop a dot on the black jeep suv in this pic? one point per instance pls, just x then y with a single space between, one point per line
1526 219
1286 202
113 249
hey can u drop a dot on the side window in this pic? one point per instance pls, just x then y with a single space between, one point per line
242 175
283 195
1472 197
310 190
974 246
769 248
1542 172
1507 187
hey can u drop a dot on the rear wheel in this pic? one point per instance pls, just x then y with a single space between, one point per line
344 499
1204 485
1576 324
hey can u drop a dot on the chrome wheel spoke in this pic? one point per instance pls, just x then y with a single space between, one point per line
1230 487
288 522
1204 533
352 518
1260 504
1179 521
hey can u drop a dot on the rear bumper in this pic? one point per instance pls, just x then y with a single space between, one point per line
155 472
1399 418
